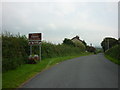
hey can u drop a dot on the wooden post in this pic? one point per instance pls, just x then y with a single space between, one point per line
40 51
30 49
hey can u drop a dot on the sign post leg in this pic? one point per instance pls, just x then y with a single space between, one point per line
30 49
40 52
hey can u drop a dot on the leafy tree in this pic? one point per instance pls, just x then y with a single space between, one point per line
68 42
108 42
84 43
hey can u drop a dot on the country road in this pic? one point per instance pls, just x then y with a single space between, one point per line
93 71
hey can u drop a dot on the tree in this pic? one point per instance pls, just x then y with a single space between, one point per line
108 42
119 41
84 43
68 42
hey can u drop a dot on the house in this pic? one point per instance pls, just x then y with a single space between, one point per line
77 41
80 43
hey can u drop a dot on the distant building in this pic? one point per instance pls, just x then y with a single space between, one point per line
76 39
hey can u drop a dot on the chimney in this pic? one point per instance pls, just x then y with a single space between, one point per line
77 37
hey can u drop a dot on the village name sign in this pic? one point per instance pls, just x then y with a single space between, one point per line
35 39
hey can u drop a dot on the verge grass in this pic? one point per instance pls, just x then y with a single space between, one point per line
113 54
15 78
113 59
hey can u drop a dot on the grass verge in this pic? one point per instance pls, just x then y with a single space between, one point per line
14 78
113 59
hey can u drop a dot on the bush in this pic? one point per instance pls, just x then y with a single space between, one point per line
33 59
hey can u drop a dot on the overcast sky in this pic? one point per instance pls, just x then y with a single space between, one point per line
91 21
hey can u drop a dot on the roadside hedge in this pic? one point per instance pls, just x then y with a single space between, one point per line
114 52
15 50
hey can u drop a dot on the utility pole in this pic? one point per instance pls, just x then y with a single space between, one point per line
108 43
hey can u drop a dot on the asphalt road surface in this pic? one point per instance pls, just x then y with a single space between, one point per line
93 71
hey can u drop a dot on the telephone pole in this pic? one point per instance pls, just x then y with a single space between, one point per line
108 43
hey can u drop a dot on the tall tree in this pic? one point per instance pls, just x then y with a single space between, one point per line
108 42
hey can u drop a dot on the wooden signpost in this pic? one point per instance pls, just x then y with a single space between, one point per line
35 39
